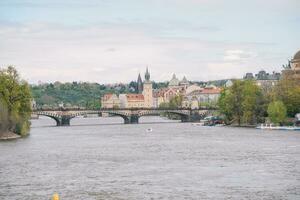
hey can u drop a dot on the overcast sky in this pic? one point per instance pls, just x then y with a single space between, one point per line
108 41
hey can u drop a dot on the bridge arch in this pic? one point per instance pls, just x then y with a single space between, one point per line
125 116
184 115
56 118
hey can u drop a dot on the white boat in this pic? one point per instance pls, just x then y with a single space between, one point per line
270 127
149 130
198 124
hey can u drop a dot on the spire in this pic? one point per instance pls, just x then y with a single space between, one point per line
147 75
139 78
139 85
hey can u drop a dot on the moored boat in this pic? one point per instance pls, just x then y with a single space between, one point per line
270 127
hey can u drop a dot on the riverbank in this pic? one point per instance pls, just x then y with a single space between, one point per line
8 135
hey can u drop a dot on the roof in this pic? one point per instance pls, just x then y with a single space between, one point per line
206 91
174 81
135 97
159 93
211 91
297 56
107 96
184 81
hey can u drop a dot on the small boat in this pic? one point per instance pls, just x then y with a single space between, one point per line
270 127
149 130
198 124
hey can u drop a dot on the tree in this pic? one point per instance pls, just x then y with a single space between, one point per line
225 104
277 112
288 91
242 102
252 103
176 101
15 100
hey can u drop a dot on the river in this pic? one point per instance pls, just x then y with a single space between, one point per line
101 158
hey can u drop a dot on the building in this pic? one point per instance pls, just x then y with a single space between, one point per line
203 96
263 79
174 82
293 68
158 97
110 101
143 98
135 101
148 91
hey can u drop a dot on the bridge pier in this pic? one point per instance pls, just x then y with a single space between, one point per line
133 119
185 118
64 121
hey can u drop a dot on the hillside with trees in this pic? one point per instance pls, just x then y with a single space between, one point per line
80 94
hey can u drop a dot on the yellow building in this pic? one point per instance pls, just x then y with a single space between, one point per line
135 101
144 100
110 101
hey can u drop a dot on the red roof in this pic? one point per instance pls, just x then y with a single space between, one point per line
211 91
135 97
107 96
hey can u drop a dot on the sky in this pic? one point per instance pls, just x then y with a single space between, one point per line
111 41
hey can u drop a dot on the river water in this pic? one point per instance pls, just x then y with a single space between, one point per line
101 158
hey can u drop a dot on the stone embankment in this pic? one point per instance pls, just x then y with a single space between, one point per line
8 135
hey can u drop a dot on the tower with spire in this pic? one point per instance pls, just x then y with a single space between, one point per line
147 90
139 86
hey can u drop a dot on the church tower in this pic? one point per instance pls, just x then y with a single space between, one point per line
147 91
139 86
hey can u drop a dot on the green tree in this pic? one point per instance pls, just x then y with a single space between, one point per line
243 102
288 91
252 103
225 105
15 99
277 112
176 101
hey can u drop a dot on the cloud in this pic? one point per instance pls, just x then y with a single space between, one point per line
237 55
108 53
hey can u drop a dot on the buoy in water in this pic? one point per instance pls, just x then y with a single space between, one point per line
55 197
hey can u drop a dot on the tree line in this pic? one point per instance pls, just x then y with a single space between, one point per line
245 103
15 102
80 94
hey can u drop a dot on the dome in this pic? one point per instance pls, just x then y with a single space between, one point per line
174 81
297 56
184 81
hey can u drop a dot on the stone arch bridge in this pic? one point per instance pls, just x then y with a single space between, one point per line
130 116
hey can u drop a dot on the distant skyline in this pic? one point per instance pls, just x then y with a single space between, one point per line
109 41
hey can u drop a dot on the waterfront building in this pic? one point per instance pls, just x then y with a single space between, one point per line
135 101
203 96
143 98
158 97
123 100
110 101
172 92
263 79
